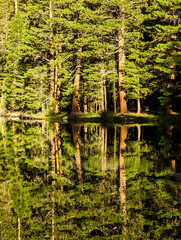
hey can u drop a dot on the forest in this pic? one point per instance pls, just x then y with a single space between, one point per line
89 56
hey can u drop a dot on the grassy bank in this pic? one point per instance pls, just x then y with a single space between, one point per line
102 118
111 118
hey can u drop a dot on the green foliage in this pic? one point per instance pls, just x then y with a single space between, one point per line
33 42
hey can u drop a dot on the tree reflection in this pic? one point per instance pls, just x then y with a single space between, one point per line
75 134
122 176
121 189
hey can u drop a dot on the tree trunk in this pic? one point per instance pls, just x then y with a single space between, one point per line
2 99
19 228
102 99
105 97
75 103
52 70
138 106
58 84
85 104
16 6
14 86
121 62
172 78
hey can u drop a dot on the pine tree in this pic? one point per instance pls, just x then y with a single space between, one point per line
162 34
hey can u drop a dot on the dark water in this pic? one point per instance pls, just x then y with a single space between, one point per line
89 182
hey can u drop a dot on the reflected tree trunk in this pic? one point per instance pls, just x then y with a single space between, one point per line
169 132
53 150
115 142
139 132
52 70
15 144
122 176
85 139
75 133
114 97
104 148
53 171
58 149
53 209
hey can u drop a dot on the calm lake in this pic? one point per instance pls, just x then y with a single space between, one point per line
89 181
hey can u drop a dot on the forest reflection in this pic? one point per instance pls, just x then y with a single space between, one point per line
88 181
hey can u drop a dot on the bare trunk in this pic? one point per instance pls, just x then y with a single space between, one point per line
85 104
58 84
105 97
52 70
138 106
102 99
173 165
121 62
2 100
75 103
169 109
14 84
16 6
3 133
171 77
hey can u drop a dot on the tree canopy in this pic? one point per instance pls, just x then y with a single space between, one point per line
88 55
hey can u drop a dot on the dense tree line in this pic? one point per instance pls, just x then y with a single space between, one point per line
88 55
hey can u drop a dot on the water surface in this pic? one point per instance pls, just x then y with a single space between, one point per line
88 181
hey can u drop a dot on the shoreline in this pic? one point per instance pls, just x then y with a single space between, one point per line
102 118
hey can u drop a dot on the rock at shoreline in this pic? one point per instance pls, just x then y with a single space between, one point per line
175 177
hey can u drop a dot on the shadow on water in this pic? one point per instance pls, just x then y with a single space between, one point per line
89 181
